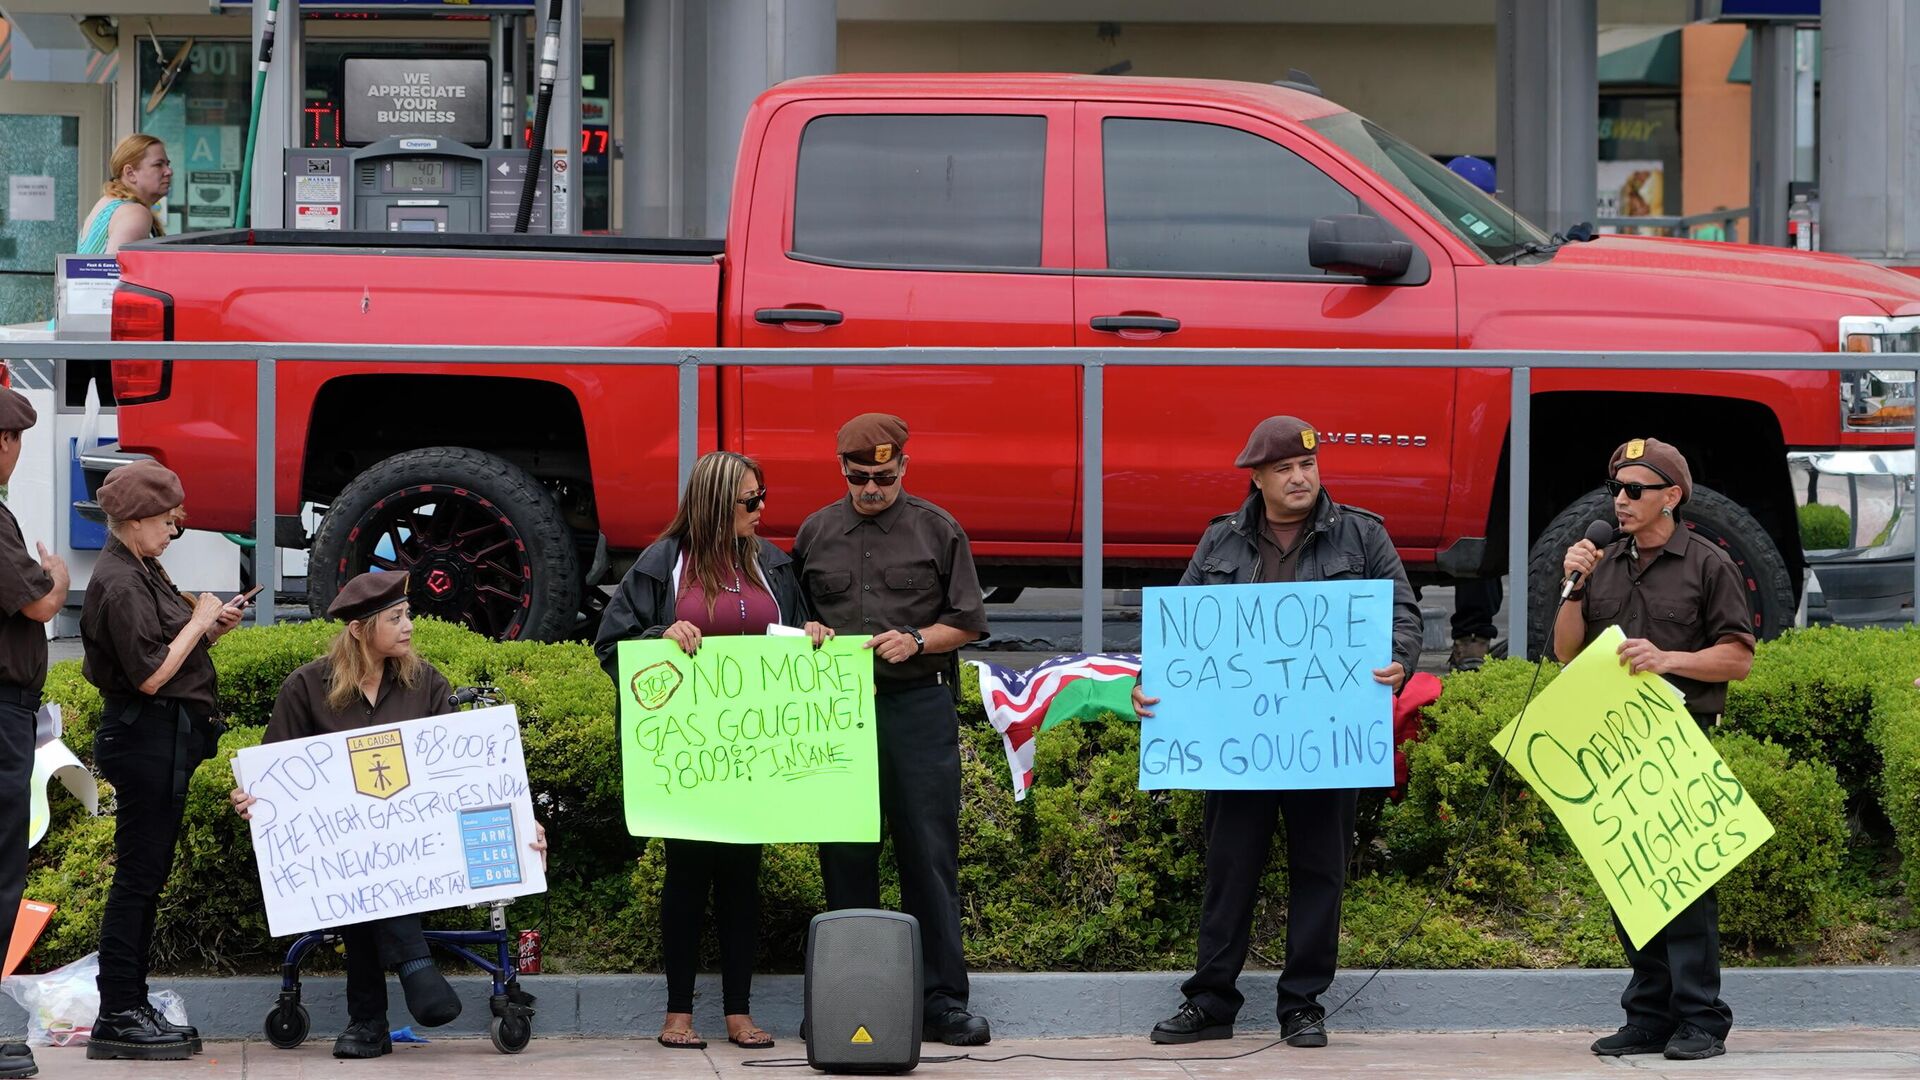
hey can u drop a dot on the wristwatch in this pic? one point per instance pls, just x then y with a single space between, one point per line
919 641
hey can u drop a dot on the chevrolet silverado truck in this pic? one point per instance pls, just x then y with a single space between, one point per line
1002 210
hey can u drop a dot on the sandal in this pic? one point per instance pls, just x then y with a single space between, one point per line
751 1038
681 1039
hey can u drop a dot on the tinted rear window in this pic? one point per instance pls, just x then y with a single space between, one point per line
922 190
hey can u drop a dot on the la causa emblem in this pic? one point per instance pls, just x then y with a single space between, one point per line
379 764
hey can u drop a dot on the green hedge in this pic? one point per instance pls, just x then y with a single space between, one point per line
1089 872
1823 528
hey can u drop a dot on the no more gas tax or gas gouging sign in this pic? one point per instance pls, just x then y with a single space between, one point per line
753 739
1267 687
395 819
1653 808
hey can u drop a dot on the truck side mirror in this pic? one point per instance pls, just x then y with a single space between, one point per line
1358 244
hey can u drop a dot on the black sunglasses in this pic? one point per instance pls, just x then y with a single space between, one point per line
753 501
1634 491
861 479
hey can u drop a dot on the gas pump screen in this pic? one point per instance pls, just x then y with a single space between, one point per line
385 96
412 174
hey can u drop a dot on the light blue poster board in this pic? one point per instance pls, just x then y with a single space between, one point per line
1267 687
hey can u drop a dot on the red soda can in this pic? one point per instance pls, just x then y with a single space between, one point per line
529 952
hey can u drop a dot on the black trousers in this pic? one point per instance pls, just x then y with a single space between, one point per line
730 873
1676 978
1239 826
373 949
1474 602
919 743
16 775
138 760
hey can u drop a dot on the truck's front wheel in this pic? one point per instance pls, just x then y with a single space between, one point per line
485 544
1710 515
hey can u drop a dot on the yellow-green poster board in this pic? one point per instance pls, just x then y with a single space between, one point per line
1656 813
751 740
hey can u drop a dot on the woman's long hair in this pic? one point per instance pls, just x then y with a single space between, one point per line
704 524
128 153
350 661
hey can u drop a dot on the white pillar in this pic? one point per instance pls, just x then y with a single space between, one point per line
1548 109
1869 106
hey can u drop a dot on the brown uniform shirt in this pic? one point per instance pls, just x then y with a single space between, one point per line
23 641
302 710
1686 597
1277 563
907 566
131 613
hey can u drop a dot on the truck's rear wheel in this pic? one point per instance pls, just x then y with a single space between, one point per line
1712 517
487 546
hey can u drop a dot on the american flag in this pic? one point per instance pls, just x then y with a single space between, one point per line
1022 704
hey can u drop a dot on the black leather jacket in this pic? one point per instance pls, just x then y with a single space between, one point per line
1341 542
643 605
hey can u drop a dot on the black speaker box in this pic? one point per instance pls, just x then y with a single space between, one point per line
865 999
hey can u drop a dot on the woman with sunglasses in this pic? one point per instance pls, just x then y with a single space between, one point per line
708 575
1683 607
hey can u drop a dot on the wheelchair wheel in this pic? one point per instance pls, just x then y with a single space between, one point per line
510 1034
287 1027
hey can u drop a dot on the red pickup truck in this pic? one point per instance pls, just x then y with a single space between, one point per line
1000 210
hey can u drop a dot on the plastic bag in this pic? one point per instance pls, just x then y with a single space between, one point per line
62 1004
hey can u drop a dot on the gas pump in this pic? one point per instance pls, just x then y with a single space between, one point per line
425 147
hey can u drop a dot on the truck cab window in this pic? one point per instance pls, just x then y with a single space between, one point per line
1473 215
1193 198
921 190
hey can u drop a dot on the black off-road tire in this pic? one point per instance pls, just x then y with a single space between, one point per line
1712 517
485 544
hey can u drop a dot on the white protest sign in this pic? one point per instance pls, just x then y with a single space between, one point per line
394 819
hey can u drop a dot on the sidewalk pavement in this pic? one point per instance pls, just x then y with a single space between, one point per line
1855 1055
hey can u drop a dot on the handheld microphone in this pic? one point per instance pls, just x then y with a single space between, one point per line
1599 534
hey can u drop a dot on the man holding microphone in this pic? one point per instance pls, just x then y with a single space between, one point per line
1683 606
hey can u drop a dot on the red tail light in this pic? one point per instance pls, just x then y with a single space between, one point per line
141 314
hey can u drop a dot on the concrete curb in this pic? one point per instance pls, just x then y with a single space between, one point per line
1033 1006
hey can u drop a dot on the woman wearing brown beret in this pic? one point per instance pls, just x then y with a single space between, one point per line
146 648
371 675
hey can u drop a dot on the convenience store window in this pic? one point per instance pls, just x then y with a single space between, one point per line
200 111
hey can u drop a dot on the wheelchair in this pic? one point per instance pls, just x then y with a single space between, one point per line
511 1026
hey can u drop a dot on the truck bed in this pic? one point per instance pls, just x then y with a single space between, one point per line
292 240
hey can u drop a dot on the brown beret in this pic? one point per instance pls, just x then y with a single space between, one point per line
1275 439
1661 457
873 438
139 489
369 594
16 412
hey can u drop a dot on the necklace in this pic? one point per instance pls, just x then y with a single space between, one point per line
738 589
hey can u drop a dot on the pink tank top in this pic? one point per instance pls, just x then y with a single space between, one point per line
742 607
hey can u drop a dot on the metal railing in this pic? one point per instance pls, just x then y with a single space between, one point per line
266 356
1683 226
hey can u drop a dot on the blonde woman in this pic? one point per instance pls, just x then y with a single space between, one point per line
709 575
138 176
371 675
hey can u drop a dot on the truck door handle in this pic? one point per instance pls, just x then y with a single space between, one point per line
1113 323
780 316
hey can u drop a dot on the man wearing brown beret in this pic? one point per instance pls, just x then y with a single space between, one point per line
31 593
1683 606
1289 529
897 570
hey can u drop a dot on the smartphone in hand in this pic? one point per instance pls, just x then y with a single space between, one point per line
245 598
